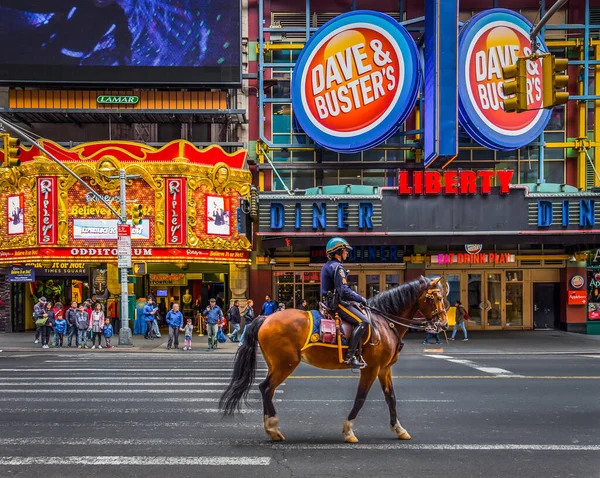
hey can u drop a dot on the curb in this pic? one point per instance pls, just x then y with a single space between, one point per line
115 349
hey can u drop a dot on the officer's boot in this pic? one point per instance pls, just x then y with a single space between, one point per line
351 358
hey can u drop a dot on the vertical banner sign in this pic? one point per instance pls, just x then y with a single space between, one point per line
488 42
175 208
441 81
47 210
355 81
124 245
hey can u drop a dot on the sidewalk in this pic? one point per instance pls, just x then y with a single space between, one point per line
500 342
23 342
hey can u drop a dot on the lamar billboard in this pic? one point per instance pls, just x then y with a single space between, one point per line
121 42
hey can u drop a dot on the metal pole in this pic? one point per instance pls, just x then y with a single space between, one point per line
551 11
125 332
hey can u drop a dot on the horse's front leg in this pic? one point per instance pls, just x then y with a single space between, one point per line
387 385
367 377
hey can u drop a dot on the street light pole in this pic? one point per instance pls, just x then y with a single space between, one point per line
125 335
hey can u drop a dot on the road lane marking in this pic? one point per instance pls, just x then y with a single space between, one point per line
283 446
471 364
438 447
136 460
136 384
109 377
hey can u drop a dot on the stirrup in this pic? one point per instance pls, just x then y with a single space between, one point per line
360 363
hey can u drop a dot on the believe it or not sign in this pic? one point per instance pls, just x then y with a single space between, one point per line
481 258
62 269
488 42
577 297
386 254
117 100
21 274
355 81
433 183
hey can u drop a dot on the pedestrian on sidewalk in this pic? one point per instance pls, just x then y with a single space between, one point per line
58 314
108 332
280 307
39 311
174 320
60 329
47 327
188 332
269 307
431 332
82 322
234 318
96 325
461 316
149 312
71 318
214 316
248 315
303 305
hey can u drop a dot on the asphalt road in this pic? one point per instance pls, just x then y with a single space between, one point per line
147 415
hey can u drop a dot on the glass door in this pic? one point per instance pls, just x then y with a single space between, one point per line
493 301
475 296
373 285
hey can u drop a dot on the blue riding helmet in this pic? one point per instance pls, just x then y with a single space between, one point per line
336 244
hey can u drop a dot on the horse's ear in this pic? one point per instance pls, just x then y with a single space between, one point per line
434 283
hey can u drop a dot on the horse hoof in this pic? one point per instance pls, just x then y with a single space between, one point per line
351 439
404 436
276 436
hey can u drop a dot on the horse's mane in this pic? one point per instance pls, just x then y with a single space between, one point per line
397 299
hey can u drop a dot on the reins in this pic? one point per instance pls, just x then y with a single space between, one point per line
417 324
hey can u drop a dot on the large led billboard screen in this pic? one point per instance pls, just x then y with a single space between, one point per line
120 42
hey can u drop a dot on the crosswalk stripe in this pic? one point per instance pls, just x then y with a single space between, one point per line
111 383
135 460
121 369
243 411
119 424
108 377
116 390
436 446
473 365
128 399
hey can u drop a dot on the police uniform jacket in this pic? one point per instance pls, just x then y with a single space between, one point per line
333 278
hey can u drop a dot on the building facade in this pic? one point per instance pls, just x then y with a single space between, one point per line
513 249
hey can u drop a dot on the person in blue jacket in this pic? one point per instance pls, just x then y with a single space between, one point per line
60 329
214 316
108 332
149 311
340 298
269 307
174 320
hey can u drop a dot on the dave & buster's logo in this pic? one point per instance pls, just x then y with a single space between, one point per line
488 42
355 81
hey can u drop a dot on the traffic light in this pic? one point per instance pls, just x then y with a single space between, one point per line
136 214
11 152
515 83
552 82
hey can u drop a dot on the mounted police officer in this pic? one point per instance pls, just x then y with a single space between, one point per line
339 297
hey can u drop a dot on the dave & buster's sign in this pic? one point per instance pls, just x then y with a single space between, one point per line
355 81
488 42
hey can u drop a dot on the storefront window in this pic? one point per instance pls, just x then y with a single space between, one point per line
493 303
593 294
292 287
391 281
474 298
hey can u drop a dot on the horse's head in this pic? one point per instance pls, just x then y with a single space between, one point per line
432 304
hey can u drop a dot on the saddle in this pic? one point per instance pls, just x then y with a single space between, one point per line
330 322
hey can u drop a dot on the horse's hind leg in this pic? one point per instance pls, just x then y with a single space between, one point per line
275 377
387 385
367 377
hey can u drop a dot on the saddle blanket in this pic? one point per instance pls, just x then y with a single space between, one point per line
315 336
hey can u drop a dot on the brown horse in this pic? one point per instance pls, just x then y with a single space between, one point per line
284 337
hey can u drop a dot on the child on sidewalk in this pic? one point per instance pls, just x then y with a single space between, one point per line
107 331
188 332
60 329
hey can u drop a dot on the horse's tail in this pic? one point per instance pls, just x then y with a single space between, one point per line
244 370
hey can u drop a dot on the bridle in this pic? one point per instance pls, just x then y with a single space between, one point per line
420 323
